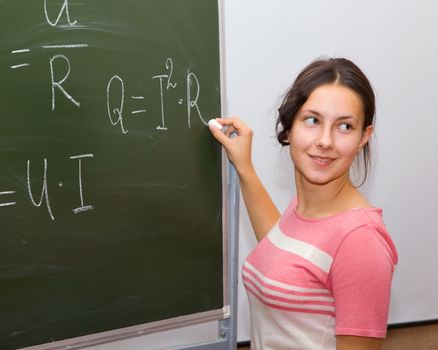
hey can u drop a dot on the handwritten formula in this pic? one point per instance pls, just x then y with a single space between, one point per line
60 16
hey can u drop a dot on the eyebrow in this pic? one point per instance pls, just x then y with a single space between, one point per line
344 117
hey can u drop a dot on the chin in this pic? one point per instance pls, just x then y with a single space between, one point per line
319 182
323 179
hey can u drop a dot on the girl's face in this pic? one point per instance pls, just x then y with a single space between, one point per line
327 134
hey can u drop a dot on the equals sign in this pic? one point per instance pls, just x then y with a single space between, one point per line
21 65
138 111
7 204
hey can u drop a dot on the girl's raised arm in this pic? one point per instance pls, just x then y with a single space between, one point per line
237 141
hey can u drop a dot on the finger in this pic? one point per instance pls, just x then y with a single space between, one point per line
219 135
235 123
229 130
232 121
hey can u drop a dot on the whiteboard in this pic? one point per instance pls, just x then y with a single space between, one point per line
395 43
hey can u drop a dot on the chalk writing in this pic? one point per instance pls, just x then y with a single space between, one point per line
169 84
60 71
7 204
21 65
138 111
64 8
44 191
58 84
169 67
118 111
21 51
192 82
162 126
65 46
193 103
44 197
82 207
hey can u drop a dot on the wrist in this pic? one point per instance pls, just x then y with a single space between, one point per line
245 171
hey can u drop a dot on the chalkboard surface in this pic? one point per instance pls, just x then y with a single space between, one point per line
110 183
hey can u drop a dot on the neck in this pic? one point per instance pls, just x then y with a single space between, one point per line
316 200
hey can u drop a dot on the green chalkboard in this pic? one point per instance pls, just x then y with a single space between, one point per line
110 183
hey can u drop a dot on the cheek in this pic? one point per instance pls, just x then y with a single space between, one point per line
293 153
300 137
299 145
349 148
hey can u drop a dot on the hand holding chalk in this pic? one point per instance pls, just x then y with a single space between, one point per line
215 123
236 137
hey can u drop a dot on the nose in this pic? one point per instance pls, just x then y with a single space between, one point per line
325 139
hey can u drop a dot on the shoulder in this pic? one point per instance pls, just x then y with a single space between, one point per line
364 229
329 233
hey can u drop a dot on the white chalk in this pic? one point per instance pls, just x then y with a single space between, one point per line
215 123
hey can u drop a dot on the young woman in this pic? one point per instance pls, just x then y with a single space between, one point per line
320 275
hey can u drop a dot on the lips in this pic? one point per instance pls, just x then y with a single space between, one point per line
322 161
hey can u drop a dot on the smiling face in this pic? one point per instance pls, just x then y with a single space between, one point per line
327 134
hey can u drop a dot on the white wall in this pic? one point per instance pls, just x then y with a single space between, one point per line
396 45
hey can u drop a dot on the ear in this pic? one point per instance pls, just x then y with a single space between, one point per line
288 137
366 136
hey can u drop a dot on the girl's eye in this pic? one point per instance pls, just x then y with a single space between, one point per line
311 121
345 127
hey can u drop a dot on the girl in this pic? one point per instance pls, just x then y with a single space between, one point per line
320 276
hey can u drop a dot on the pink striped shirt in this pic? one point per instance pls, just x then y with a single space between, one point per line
311 279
